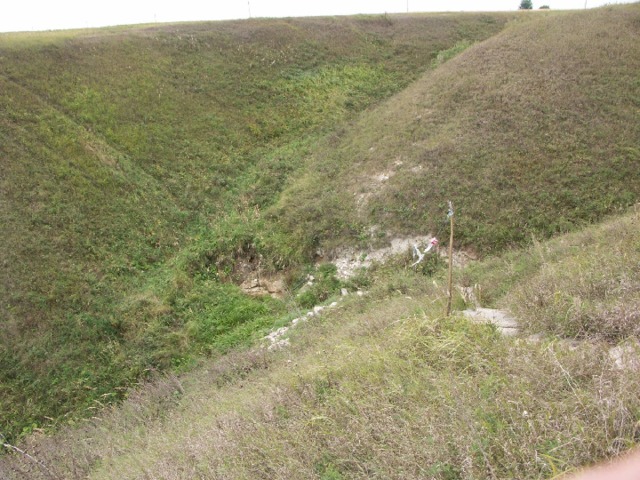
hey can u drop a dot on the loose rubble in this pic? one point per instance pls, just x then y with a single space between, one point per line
276 339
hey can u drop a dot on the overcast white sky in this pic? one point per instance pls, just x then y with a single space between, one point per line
20 15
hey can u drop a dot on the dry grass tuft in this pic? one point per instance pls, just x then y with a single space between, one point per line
592 291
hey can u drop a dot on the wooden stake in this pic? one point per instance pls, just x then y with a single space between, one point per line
450 260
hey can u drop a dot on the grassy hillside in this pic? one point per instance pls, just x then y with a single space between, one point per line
146 169
533 132
136 163
385 387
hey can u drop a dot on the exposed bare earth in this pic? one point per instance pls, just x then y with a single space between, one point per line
348 261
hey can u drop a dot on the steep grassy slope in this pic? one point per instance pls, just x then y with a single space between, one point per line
533 132
385 387
141 166
135 164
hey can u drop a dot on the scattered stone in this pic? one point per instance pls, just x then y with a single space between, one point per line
626 356
278 344
277 333
275 338
344 292
535 338
256 285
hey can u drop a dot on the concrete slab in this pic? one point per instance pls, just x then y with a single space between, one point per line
506 323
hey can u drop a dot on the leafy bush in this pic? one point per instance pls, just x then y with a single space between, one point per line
323 284
449 53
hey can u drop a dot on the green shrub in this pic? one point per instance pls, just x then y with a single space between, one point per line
449 53
323 285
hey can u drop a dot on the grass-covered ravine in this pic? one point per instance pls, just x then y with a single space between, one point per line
137 163
385 386
146 172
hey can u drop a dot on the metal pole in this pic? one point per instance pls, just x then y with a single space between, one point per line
450 214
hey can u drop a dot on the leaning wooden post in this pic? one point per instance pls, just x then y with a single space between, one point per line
450 215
